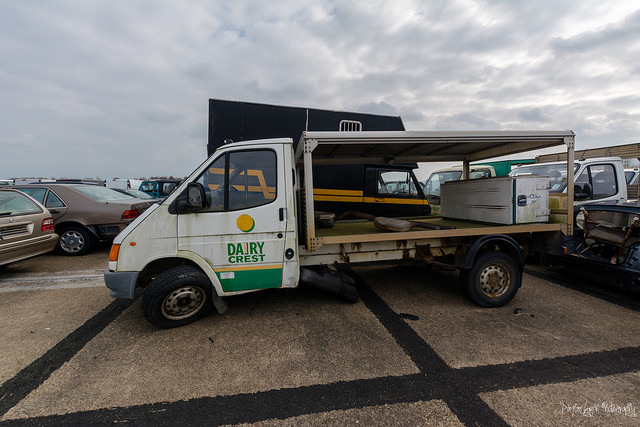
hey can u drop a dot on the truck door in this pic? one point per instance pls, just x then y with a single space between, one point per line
242 233
598 181
395 193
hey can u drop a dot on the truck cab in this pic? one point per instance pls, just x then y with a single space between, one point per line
600 180
454 173
383 190
244 196
160 188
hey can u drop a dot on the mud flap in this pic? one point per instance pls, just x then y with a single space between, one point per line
220 304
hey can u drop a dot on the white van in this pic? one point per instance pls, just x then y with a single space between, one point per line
123 183
599 179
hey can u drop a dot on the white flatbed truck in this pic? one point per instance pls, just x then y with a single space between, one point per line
244 221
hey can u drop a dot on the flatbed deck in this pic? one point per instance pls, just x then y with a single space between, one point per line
361 231
316 148
356 227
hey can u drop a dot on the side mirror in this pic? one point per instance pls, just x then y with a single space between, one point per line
196 196
192 199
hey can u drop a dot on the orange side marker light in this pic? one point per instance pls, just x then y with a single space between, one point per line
113 253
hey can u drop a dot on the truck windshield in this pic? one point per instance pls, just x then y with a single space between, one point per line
432 186
148 186
557 173
396 182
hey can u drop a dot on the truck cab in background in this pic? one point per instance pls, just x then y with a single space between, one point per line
431 187
597 180
159 188
382 190
631 175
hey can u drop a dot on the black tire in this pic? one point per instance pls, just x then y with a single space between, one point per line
494 279
75 240
177 297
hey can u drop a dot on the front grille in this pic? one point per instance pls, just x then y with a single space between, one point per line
13 230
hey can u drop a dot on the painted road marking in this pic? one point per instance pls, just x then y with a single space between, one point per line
48 281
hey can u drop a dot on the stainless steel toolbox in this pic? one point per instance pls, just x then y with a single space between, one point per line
501 200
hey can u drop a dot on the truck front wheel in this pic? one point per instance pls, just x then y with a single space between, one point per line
177 297
493 280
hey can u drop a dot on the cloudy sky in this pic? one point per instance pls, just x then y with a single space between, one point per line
119 88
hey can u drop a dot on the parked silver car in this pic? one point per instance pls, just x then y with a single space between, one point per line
26 227
85 214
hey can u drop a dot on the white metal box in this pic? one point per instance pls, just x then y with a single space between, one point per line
501 200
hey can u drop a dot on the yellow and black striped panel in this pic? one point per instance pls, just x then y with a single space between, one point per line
356 196
330 195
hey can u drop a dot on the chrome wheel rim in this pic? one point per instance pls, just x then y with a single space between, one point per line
494 280
72 241
183 302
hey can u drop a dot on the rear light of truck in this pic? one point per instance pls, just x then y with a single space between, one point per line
130 214
47 224
113 253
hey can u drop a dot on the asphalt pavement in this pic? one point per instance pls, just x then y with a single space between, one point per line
413 351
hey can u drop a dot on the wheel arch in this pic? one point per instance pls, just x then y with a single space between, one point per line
66 224
498 242
160 265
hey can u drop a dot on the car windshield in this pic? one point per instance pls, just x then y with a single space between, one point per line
100 194
557 173
14 203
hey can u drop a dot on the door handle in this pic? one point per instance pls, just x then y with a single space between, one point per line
281 213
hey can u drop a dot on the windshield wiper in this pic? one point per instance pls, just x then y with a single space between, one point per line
5 213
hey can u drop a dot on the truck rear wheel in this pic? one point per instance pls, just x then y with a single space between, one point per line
177 297
493 280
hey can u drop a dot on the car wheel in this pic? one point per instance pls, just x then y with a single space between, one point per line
494 279
75 240
177 297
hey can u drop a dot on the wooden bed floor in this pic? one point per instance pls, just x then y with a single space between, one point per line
355 227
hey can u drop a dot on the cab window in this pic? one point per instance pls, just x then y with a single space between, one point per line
240 180
597 182
480 173
396 183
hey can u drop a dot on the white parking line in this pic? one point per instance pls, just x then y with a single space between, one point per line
47 281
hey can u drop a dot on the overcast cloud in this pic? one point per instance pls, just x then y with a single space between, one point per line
120 88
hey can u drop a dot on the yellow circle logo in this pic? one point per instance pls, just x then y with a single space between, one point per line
245 223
